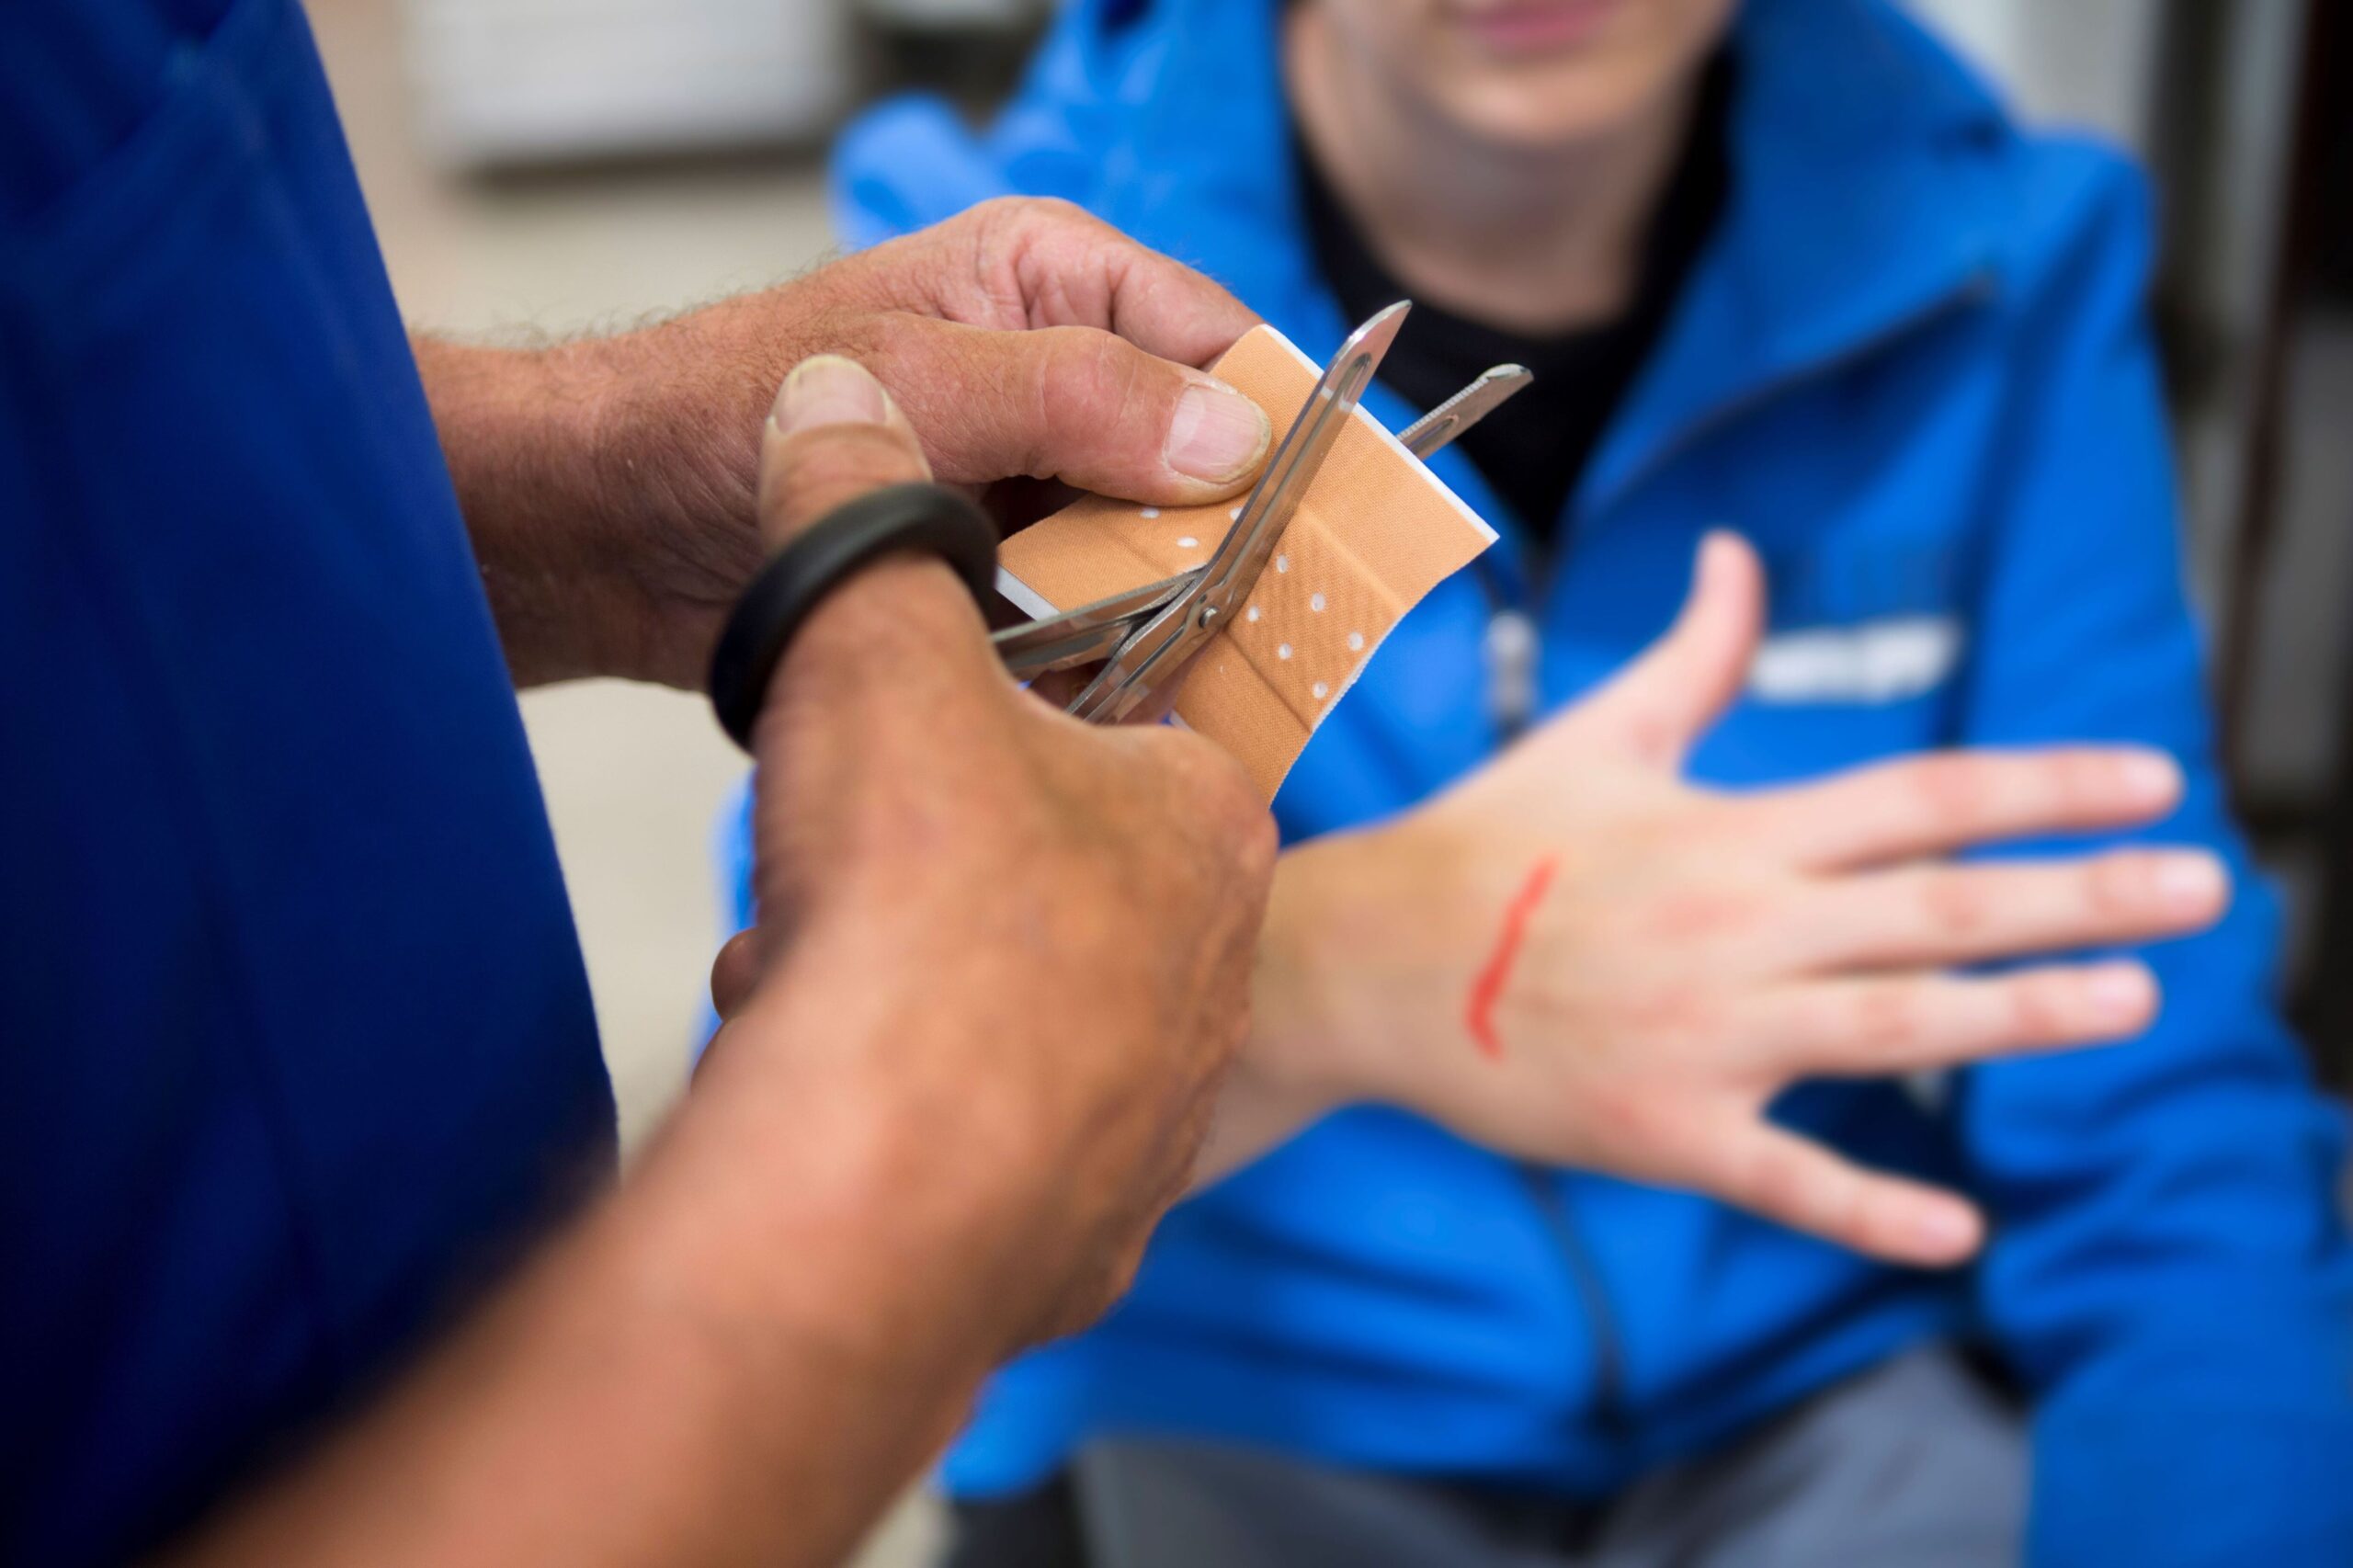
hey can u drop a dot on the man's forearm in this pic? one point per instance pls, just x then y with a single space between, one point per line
738 1358
516 426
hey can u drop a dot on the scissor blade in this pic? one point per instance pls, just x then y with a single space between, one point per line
1446 424
1233 570
1090 631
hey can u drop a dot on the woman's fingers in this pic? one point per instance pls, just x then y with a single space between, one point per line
1755 1165
1932 916
1936 804
1906 1023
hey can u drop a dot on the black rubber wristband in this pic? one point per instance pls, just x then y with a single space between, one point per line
926 517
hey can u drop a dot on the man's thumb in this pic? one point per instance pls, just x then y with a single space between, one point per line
833 435
1663 702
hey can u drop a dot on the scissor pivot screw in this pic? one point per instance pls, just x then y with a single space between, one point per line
1207 617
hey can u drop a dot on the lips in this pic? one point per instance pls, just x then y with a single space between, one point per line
1536 26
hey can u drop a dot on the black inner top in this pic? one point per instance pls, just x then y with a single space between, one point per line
1533 448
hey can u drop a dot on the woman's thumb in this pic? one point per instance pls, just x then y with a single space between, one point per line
1662 703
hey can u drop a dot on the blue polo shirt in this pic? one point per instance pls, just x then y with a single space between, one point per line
295 1044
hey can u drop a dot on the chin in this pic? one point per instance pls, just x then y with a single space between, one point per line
1527 75
1539 75
1549 110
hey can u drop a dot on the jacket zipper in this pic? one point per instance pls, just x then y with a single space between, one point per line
1584 1271
1514 648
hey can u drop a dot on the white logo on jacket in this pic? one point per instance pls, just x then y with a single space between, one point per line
1873 660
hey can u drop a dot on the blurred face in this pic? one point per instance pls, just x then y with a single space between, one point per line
1533 75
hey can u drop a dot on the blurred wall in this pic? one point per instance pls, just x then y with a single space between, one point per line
2082 61
501 81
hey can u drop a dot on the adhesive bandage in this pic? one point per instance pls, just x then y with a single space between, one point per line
1374 532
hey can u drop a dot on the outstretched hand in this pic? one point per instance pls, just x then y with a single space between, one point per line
1577 956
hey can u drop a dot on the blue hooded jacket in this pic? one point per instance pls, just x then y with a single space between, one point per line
1912 366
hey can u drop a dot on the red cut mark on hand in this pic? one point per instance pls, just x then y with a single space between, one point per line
1488 988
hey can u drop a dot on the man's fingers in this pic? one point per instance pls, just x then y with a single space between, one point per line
1930 805
1666 699
1031 339
1072 404
1061 266
1937 916
833 435
734 974
1782 1177
1885 1024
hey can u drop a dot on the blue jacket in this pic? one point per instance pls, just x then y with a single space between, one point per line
1913 366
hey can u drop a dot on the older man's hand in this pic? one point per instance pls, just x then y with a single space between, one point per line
608 483
1013 948
1003 959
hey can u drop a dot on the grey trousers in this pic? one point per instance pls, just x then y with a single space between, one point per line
1912 1464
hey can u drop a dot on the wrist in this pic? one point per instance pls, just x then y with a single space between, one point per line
1353 968
827 1185
523 432
1303 1052
611 485
665 425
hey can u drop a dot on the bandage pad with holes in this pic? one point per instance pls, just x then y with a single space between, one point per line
1373 534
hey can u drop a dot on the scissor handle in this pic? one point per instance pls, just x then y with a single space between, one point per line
1090 632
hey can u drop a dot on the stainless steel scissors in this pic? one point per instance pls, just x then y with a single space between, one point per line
1145 635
